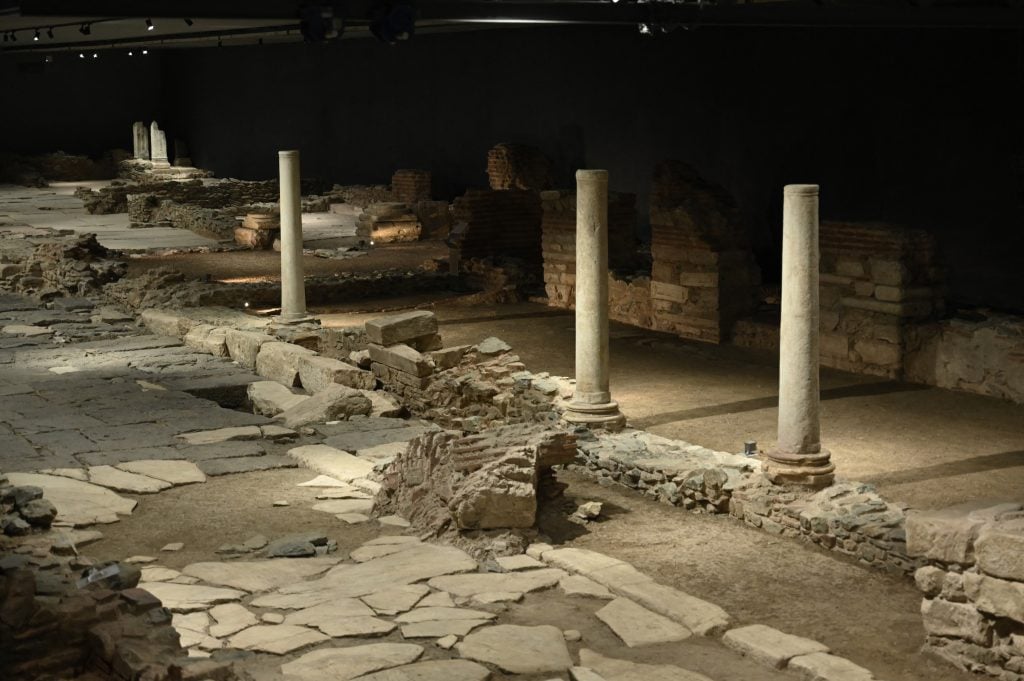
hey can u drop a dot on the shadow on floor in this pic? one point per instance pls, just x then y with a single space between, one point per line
503 317
772 402
977 464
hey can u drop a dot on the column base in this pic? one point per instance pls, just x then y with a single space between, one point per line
293 319
806 470
605 415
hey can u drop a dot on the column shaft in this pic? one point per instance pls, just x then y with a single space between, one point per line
293 284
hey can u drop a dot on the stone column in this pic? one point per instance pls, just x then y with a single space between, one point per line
799 457
158 146
592 404
141 141
293 278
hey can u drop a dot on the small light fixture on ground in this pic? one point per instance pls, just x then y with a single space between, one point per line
149 25
35 38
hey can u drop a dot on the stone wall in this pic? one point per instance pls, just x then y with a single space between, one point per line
411 186
498 223
518 166
704 275
973 585
877 282
558 241
983 355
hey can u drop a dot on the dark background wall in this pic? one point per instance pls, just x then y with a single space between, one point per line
914 127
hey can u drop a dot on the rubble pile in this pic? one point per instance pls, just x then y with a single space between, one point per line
483 481
973 585
704 274
75 265
23 509
500 280
518 166
389 222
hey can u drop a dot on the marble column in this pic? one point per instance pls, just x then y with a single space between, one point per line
799 457
158 146
293 277
140 137
592 404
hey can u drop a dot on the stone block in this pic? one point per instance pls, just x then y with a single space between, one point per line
769 646
999 550
700 616
270 398
888 272
336 402
208 338
403 358
889 294
948 535
878 352
825 667
166 323
834 345
280 362
668 292
956 620
316 373
446 358
995 596
401 328
929 580
850 267
244 346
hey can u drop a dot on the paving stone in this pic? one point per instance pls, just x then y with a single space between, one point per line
272 618
73 473
221 450
438 599
270 398
114 457
769 646
244 346
637 626
433 670
497 597
432 614
173 472
278 639
578 585
441 628
825 667
353 518
248 464
343 506
342 493
78 503
520 582
139 560
396 600
323 481
258 576
517 649
520 562
231 618
155 573
192 621
280 362
209 437
333 403
331 462
190 597
173 546
612 669
585 674
447 642
123 481
369 552
394 521
343 664
68 442
700 616
277 433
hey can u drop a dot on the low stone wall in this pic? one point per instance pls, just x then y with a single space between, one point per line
518 166
973 585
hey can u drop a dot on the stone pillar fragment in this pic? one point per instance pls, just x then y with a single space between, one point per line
799 457
293 278
592 403
140 139
158 146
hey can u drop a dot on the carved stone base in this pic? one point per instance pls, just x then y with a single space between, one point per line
606 415
807 470
292 320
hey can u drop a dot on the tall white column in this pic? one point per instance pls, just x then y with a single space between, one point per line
592 403
799 457
293 279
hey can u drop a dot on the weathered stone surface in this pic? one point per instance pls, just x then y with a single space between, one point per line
333 403
257 576
489 597
825 667
396 600
612 669
519 582
957 620
278 639
433 670
637 626
123 481
929 580
316 373
155 573
385 405
78 503
698 615
38 512
769 646
332 462
948 534
520 562
578 585
995 596
345 506
173 472
433 614
323 481
210 437
1000 550
270 398
517 649
231 618
441 628
343 664
208 339
492 346
166 323
280 362
403 358
244 346
190 597
401 328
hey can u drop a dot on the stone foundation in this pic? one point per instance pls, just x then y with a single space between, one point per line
973 585
518 166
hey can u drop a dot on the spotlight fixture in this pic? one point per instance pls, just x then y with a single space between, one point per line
145 52
219 42
130 53
188 22
81 55
95 55
85 29
35 38
49 33
149 25
645 29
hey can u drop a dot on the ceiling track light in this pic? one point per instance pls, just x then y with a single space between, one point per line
149 25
